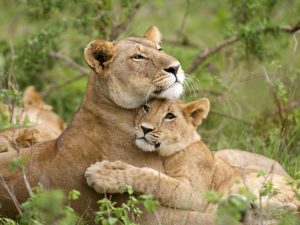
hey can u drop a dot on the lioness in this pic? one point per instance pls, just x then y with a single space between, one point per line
170 128
124 74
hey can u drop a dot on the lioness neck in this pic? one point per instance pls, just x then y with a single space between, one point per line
97 103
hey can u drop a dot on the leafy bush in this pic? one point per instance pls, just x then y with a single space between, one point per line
53 207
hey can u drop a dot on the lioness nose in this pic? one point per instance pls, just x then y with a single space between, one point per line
146 129
172 69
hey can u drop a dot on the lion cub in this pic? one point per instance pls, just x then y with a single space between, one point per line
190 168
168 127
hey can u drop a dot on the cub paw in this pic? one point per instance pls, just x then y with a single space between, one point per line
107 177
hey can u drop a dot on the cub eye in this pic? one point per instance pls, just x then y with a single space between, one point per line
170 116
146 108
137 56
159 49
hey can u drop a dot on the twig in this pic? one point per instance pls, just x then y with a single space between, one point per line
183 21
11 194
184 41
121 27
296 42
70 62
231 117
203 55
289 29
188 93
13 25
28 187
275 98
57 86
83 72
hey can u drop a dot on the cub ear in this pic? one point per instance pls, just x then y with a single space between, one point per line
153 34
198 110
98 54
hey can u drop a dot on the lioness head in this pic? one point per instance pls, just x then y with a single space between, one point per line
168 126
136 69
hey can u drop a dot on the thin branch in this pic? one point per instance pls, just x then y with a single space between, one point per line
57 86
204 54
296 42
122 27
275 97
207 52
232 117
184 41
180 31
27 184
289 29
70 62
188 93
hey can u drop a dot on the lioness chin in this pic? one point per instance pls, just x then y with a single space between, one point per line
190 168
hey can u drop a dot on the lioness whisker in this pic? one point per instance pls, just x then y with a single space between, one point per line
190 87
148 94
191 80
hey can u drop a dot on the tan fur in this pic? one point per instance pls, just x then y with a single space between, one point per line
36 112
190 168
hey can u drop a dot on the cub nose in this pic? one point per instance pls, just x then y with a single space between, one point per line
172 69
146 129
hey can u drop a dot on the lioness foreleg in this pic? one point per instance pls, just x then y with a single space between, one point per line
111 177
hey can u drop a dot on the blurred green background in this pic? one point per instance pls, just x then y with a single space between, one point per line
253 84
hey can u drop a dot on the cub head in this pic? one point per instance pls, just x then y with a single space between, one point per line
135 69
168 126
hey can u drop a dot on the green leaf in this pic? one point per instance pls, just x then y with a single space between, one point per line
17 163
213 197
73 195
112 220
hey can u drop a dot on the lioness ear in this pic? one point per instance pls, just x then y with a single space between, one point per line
198 110
98 54
153 34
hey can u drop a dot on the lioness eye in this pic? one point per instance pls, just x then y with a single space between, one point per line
170 116
137 56
160 49
146 108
